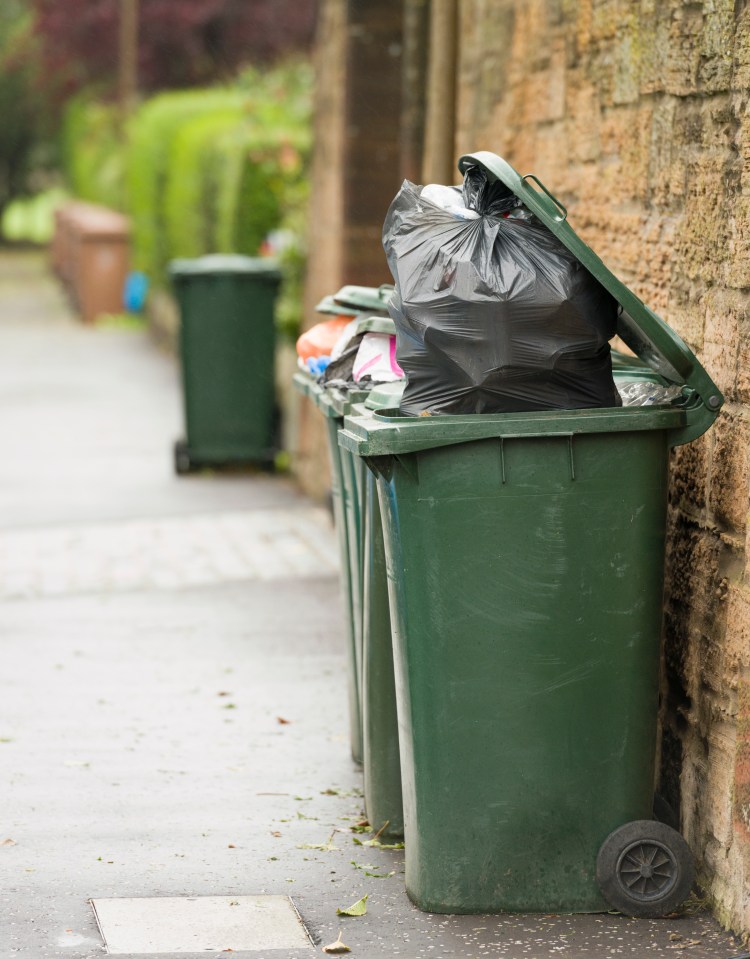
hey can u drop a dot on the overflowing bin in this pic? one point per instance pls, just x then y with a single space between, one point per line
524 559
227 340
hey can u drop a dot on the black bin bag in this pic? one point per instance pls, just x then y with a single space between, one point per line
493 314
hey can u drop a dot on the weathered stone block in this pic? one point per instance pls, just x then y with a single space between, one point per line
730 470
688 475
736 644
742 768
721 346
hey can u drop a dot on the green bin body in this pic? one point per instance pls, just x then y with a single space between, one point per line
381 754
320 397
346 493
525 569
227 339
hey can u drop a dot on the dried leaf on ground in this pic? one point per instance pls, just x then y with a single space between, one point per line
377 844
8 842
336 947
375 841
358 908
282 722
322 846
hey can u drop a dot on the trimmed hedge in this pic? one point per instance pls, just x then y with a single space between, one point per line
154 136
92 153
205 171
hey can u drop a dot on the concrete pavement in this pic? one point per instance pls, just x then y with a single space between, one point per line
172 689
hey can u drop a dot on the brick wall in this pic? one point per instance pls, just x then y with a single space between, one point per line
635 114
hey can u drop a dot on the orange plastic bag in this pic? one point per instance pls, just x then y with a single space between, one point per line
320 339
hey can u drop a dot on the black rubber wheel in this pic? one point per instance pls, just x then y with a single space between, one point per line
645 869
182 462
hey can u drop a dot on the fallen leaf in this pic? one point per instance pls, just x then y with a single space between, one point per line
229 706
337 946
674 936
377 844
231 846
223 693
275 832
358 908
322 846
282 722
8 842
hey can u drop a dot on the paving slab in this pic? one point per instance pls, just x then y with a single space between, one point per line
172 693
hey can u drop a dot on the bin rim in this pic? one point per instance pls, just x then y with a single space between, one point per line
389 432
319 395
223 264
376 324
365 298
638 326
329 305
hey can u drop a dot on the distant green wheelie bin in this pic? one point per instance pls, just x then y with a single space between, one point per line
525 566
227 339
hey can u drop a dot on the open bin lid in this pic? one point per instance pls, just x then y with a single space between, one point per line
388 432
647 335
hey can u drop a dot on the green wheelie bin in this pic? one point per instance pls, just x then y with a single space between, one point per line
333 404
382 760
525 568
227 340
320 397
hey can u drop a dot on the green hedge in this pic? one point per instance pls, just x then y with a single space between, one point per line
204 171
92 154
154 138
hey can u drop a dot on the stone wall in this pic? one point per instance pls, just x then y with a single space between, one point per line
355 174
635 115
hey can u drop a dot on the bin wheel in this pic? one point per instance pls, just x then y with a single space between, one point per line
182 462
645 869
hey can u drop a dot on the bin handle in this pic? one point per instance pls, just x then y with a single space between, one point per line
543 188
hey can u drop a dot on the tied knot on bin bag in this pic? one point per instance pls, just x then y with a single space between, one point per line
493 313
